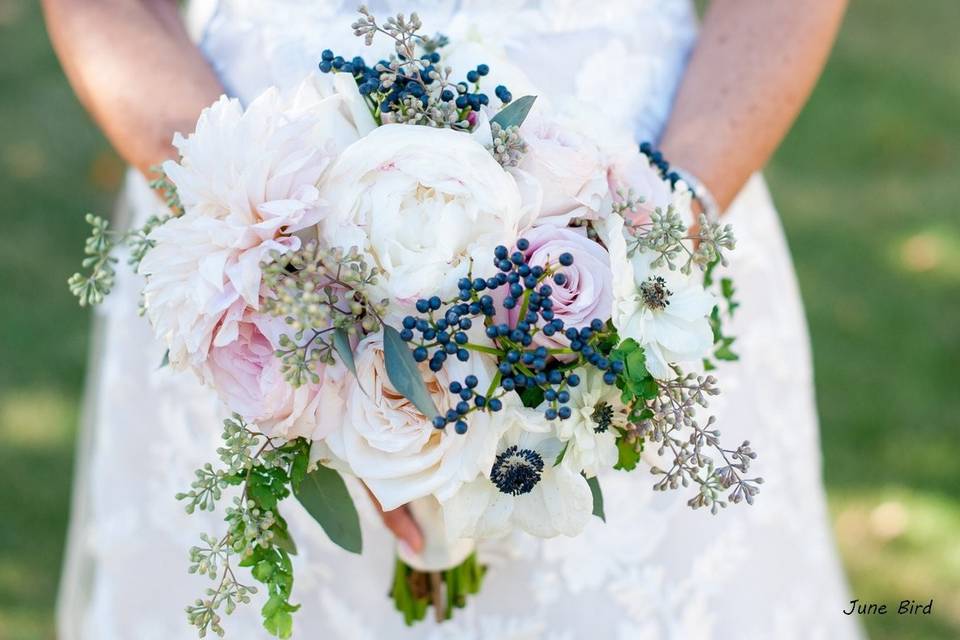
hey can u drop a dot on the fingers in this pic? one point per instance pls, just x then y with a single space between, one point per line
401 523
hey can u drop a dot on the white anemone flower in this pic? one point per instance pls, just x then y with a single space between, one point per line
524 488
590 433
665 311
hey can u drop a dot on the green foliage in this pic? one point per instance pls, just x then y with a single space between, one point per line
92 287
635 382
532 397
628 453
404 373
167 190
325 497
411 603
266 473
412 590
597 495
514 113
139 241
341 344
461 581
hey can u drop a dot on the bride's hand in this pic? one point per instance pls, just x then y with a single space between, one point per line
402 524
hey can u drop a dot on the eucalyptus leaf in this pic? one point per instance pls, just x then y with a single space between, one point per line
325 497
404 373
341 343
282 539
514 113
597 497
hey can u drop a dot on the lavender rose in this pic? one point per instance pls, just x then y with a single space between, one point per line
587 292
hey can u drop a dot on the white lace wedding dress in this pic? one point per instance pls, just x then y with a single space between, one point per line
654 570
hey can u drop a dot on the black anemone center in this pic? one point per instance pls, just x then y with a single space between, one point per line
655 293
517 471
602 416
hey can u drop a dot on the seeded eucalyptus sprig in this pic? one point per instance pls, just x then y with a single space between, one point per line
508 146
163 185
256 535
319 292
265 471
667 236
412 86
664 414
94 285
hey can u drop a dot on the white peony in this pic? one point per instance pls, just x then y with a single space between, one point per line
246 179
591 430
420 202
665 311
386 442
523 488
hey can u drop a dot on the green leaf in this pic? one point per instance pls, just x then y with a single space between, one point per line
259 491
282 538
563 452
166 359
728 291
708 272
514 113
404 373
276 617
628 456
532 397
298 468
722 343
597 497
341 343
263 571
325 497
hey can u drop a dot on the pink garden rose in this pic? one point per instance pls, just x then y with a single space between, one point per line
587 292
248 378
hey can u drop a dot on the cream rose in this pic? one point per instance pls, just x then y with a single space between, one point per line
421 203
386 442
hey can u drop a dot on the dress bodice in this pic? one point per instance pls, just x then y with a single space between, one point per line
622 58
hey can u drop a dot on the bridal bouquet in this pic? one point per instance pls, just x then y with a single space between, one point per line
473 304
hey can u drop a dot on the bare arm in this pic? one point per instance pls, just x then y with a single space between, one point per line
134 68
753 69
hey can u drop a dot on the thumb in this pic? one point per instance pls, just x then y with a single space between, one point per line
400 521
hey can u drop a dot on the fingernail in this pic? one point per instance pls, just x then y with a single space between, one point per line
405 548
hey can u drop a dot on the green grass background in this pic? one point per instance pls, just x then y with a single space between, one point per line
868 186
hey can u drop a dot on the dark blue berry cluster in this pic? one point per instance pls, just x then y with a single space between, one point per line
418 80
657 159
441 333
